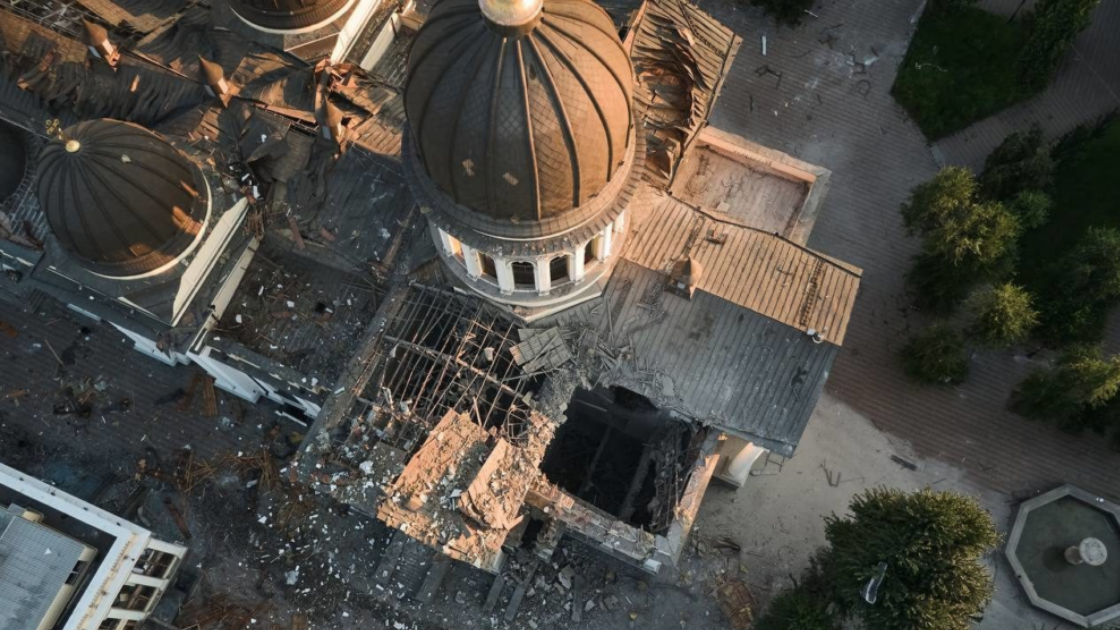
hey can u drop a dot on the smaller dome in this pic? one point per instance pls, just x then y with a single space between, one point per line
13 159
119 199
289 16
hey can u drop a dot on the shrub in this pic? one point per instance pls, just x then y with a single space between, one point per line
785 12
1003 315
931 542
1021 162
936 355
1081 381
1053 25
796 609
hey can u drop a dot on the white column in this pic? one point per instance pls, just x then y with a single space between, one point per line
470 257
543 276
505 275
575 264
620 222
445 240
605 243
739 456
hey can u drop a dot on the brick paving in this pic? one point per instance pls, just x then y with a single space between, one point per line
1086 87
824 110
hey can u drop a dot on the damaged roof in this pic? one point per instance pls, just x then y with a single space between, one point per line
680 55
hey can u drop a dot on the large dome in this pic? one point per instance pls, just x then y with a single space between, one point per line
289 16
120 199
13 159
523 113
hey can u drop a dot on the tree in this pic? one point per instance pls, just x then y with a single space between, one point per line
952 6
1031 208
1021 162
796 609
936 286
1081 381
1092 269
930 541
1052 27
956 228
1003 315
936 355
785 12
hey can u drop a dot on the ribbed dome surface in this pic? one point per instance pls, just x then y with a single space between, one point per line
121 200
521 123
287 15
13 159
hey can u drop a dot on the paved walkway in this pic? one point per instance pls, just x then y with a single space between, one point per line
1086 87
830 110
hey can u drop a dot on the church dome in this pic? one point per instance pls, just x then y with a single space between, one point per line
119 199
520 110
13 159
289 16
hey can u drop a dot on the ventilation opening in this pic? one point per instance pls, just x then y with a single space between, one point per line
620 453
558 269
524 276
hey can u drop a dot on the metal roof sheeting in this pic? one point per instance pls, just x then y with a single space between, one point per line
756 270
715 361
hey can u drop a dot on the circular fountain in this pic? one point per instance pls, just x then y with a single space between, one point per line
1065 550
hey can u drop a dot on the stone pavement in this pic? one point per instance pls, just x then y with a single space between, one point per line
1086 87
832 107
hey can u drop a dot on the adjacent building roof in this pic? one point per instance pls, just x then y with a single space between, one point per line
119 199
35 562
288 15
524 124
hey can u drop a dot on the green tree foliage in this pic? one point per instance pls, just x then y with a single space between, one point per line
1031 208
1083 380
964 240
936 286
1052 25
1093 267
796 609
1003 315
1086 284
1021 162
936 355
932 543
785 12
